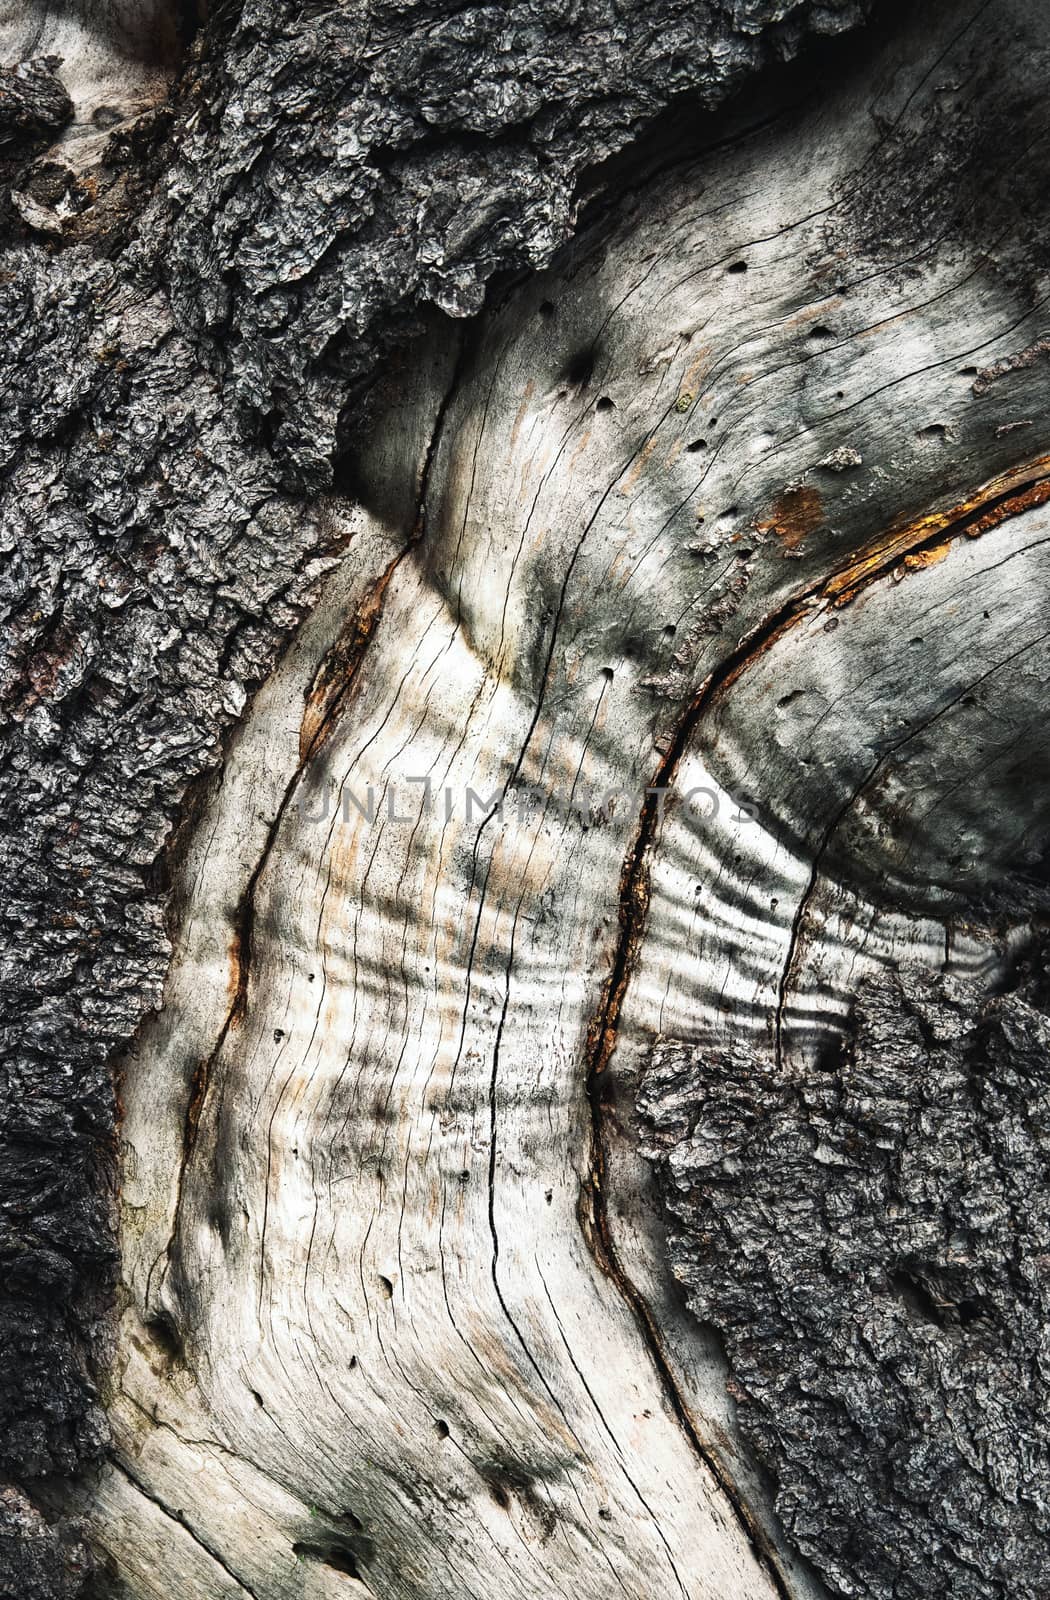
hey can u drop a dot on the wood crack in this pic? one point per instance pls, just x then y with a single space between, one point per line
332 686
122 1467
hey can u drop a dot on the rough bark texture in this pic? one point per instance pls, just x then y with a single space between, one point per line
345 168
870 1241
203 299
33 102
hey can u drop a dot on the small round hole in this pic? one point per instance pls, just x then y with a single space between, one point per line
605 404
697 444
166 1336
738 266
581 368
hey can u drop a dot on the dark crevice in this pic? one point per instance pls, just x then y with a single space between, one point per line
580 369
190 17
928 1295
339 1555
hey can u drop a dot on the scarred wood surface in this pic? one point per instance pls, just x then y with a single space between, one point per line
201 292
397 1315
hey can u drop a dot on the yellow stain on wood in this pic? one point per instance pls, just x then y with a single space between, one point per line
796 513
640 463
914 545
928 557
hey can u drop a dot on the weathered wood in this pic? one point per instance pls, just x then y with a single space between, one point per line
195 298
742 500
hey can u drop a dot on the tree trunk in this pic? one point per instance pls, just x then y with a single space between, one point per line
524 762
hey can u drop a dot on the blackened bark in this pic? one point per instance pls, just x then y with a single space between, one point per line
33 102
869 1240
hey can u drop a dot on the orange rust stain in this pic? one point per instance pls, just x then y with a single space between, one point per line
927 558
990 505
641 462
796 513
817 312
236 978
585 439
337 670
695 370
1037 494
914 542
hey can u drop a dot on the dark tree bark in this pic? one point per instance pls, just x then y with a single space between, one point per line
409 390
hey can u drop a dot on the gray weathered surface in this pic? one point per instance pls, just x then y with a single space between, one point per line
757 385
